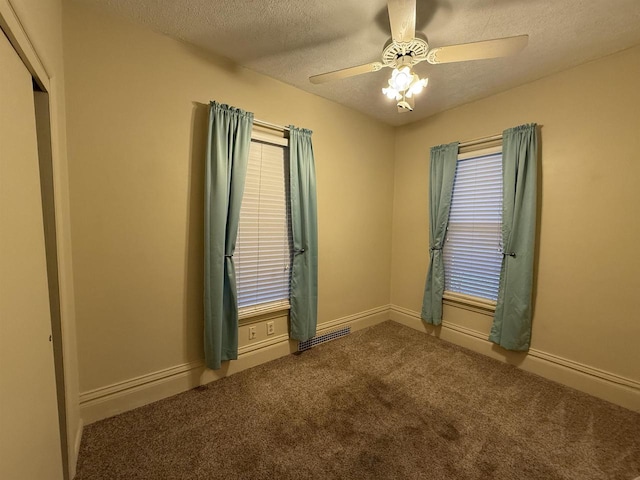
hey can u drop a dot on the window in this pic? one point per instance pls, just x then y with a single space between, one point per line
473 247
264 248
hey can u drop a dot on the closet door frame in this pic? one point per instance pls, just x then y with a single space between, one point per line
44 90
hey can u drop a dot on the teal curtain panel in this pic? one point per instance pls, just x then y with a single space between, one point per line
304 226
225 173
511 327
441 175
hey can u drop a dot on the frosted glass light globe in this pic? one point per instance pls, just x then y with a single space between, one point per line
401 78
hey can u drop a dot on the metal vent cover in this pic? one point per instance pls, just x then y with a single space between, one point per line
325 337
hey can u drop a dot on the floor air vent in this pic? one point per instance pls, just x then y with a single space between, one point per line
325 337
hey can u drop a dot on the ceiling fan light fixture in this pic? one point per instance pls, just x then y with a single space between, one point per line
404 84
417 86
401 79
406 104
391 93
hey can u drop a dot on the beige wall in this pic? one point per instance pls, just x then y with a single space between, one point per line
137 135
588 270
42 22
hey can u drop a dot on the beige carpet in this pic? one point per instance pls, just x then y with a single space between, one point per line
383 403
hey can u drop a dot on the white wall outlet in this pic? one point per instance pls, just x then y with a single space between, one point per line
271 328
252 333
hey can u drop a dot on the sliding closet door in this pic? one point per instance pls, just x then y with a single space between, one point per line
29 433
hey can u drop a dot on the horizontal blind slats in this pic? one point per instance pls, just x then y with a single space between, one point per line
472 248
263 248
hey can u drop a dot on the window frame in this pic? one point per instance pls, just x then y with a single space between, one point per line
470 302
250 312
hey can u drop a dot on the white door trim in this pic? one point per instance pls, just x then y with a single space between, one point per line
18 37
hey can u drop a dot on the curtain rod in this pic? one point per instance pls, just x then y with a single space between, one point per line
272 126
477 141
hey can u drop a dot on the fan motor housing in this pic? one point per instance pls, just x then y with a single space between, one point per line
404 53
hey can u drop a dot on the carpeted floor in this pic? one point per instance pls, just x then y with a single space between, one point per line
383 403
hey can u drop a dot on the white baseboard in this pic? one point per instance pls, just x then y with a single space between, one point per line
120 397
123 396
358 321
599 383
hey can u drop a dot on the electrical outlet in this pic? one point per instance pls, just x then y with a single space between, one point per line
252 333
271 328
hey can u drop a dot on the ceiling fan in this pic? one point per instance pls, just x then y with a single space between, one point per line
407 48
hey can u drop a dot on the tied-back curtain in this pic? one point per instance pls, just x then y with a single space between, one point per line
512 322
304 270
225 173
441 175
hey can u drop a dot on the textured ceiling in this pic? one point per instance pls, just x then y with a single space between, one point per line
291 40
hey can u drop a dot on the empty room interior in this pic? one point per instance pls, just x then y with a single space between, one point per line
451 294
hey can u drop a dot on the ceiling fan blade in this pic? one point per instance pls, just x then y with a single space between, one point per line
346 72
500 47
402 17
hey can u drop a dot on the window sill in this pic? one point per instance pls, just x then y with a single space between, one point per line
468 302
263 311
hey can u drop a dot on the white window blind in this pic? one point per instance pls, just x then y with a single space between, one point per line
263 248
472 250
